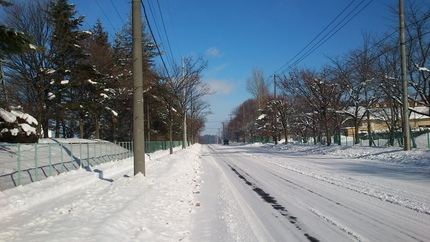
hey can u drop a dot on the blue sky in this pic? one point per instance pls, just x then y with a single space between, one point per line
235 36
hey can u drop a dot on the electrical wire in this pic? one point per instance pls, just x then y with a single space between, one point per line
325 38
117 11
155 41
316 36
155 22
105 15
165 31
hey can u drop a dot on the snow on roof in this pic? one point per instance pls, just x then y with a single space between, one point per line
420 110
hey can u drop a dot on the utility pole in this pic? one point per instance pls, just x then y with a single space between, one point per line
223 132
406 131
138 125
184 138
276 111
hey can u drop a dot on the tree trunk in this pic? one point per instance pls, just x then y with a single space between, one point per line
81 128
184 129
356 133
171 135
96 117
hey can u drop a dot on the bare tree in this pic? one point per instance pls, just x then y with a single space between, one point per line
323 93
258 86
358 70
182 87
29 74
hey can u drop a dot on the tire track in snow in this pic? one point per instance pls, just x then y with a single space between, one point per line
391 198
342 228
274 203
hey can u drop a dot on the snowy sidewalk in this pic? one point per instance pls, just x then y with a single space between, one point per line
107 204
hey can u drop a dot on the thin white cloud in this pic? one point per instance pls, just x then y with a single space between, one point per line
221 87
214 71
213 52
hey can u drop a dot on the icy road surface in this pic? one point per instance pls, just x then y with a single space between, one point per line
290 196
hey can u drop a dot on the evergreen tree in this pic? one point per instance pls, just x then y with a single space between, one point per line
122 48
98 92
67 60
11 40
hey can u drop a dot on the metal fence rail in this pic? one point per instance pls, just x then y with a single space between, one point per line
153 146
21 164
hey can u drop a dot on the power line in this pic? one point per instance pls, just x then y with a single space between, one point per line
165 31
105 15
117 11
316 36
173 29
155 41
326 37
158 31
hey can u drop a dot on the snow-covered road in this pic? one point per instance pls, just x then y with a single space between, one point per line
292 197
231 193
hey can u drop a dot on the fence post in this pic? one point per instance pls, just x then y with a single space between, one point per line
36 162
101 152
107 152
80 156
111 151
50 159
95 152
19 164
88 153
71 156
428 140
62 158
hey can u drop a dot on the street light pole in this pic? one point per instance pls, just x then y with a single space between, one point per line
406 131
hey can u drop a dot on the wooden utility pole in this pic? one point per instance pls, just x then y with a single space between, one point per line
184 138
276 110
405 128
138 125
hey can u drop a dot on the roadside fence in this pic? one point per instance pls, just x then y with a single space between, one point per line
21 164
419 139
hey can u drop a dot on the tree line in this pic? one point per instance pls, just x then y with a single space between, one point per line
78 82
345 92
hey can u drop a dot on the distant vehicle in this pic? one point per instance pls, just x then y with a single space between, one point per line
226 142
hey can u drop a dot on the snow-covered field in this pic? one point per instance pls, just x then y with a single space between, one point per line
213 193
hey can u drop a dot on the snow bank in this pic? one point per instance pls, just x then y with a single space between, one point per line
415 157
